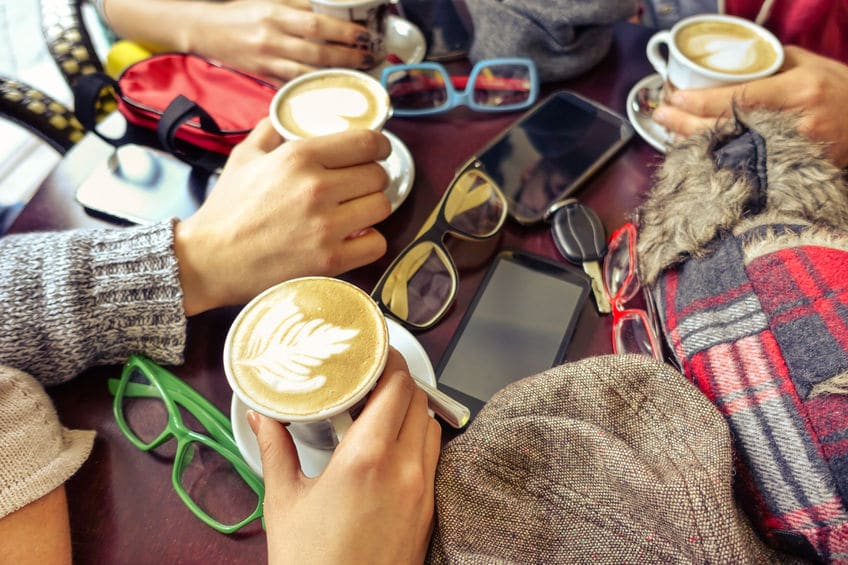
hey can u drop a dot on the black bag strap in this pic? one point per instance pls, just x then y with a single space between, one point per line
87 92
178 112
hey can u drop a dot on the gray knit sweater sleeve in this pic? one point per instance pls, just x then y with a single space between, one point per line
70 300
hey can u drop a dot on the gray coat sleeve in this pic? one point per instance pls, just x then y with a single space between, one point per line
564 38
70 300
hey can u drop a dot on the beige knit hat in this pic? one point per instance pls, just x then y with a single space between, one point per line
36 453
614 459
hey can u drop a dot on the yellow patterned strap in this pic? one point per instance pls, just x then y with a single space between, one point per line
54 122
70 45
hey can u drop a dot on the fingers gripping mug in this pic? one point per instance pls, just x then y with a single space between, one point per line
372 14
713 50
307 352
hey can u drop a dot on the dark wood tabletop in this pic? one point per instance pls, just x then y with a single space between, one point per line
122 505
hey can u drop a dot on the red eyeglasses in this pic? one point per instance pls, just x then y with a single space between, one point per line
633 329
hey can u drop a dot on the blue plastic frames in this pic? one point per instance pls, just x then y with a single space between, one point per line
494 85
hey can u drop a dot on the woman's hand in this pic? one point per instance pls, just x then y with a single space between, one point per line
813 85
374 502
278 39
283 210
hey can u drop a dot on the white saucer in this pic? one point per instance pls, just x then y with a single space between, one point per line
401 170
656 135
404 40
313 460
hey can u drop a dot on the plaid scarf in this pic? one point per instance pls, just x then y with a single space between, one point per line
760 326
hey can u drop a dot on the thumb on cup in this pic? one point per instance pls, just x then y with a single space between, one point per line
280 461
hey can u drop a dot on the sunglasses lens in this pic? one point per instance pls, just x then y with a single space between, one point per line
502 84
619 270
420 286
417 89
632 334
475 206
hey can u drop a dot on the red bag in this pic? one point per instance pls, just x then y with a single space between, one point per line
180 96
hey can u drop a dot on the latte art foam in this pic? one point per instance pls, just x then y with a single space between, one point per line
332 102
287 352
725 47
307 346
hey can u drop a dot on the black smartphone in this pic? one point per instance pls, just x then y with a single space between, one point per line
519 323
551 150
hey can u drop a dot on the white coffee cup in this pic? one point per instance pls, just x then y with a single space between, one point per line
307 352
372 14
714 50
329 101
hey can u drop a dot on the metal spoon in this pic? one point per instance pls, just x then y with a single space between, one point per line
451 411
647 99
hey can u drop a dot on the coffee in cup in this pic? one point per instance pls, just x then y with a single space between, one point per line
371 14
329 101
713 50
307 352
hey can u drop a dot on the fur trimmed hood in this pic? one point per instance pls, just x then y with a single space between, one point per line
754 169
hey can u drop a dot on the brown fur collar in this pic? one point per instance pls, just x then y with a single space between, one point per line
693 202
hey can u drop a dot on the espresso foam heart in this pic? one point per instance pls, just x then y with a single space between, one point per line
330 101
725 47
329 110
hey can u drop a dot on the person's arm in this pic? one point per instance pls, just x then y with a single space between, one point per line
70 300
279 39
374 502
39 532
815 86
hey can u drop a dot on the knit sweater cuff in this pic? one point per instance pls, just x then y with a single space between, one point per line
136 290
87 297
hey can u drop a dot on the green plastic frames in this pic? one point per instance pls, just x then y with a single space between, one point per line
209 473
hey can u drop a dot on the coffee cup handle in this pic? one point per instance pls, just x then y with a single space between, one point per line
653 52
341 423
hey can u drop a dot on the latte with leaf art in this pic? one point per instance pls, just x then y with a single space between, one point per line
306 346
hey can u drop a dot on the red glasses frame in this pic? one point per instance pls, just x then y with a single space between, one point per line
637 319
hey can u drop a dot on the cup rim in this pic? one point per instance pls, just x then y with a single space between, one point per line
378 89
327 413
727 77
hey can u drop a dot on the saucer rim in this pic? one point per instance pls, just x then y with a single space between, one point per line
658 143
400 151
416 40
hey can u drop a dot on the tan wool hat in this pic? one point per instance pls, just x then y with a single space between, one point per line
613 459
37 454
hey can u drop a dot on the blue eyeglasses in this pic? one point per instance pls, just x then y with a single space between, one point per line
494 85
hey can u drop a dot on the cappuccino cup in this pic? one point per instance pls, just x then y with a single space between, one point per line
371 14
329 101
307 352
714 50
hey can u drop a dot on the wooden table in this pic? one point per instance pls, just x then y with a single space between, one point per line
123 507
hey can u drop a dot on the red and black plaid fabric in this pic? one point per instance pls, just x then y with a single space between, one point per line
761 336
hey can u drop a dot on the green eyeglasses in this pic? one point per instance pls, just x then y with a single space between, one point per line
210 475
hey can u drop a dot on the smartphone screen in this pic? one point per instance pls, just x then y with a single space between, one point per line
549 152
520 323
